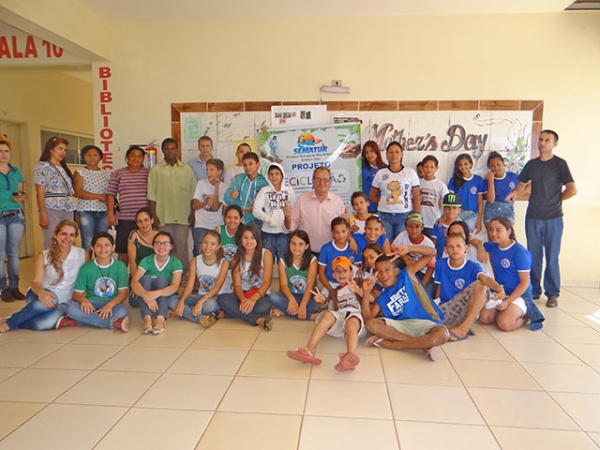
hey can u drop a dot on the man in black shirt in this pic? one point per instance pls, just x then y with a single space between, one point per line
551 183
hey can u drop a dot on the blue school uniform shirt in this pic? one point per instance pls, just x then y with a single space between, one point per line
361 242
507 263
439 232
368 173
453 280
329 252
469 192
503 186
401 302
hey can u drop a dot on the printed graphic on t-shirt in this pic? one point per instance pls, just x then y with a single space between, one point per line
398 193
105 288
207 282
276 200
428 197
397 301
298 284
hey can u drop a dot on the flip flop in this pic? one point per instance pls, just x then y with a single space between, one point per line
374 341
297 355
347 362
147 330
471 332
432 353
457 337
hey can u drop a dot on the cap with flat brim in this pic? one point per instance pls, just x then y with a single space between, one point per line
452 199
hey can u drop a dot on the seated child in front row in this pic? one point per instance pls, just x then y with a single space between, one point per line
297 278
101 288
344 321
210 268
339 246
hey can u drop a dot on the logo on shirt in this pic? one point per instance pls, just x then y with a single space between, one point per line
397 301
505 263
206 283
459 283
298 284
105 288
385 177
473 190
511 184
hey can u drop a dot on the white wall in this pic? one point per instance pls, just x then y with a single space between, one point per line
549 57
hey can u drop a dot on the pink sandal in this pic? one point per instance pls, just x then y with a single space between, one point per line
348 361
298 355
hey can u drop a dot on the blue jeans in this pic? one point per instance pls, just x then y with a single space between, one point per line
36 316
209 306
11 232
198 235
543 239
470 218
153 284
93 319
230 305
277 244
394 223
281 302
92 222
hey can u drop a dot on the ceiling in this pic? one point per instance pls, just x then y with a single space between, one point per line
120 11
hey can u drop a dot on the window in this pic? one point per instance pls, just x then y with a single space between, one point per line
76 143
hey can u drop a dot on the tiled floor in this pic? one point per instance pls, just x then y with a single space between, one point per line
232 387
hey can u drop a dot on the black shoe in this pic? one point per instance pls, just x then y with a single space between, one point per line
17 294
6 296
552 302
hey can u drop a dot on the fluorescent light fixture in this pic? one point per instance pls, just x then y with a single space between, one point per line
335 89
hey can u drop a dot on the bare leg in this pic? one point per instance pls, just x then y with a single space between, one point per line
476 303
351 331
320 331
394 339
510 319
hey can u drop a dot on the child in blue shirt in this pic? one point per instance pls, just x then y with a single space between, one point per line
471 189
498 185
245 187
339 246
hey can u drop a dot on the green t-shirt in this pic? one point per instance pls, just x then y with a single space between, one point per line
9 183
101 284
297 279
149 266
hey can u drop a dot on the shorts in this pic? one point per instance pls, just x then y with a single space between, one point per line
520 302
341 317
412 327
124 229
455 309
497 209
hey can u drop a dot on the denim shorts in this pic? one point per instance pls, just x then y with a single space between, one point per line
496 209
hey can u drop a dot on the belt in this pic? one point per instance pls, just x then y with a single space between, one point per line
10 213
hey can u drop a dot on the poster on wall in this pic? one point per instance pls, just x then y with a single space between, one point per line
298 116
301 150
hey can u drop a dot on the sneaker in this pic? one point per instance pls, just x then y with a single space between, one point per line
121 324
17 294
7 296
64 322
209 320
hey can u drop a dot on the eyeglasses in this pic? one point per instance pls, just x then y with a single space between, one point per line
321 180
161 244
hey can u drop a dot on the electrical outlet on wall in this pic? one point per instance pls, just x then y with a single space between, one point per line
336 83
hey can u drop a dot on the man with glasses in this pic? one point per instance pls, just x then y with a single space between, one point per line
314 210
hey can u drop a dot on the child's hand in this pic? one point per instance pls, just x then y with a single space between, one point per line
179 309
490 177
287 209
319 298
234 193
369 283
353 287
399 251
354 228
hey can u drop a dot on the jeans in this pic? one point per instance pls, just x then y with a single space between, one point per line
11 232
230 305
281 302
543 239
198 235
209 306
277 244
36 316
92 222
93 319
394 223
153 284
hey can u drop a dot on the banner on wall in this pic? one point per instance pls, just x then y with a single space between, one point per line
301 150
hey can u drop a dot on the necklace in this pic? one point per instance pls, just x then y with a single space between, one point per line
104 286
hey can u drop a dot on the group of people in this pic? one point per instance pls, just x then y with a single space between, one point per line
403 267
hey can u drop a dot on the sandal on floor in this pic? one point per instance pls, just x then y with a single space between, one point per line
374 341
348 361
147 330
276 313
298 355
268 324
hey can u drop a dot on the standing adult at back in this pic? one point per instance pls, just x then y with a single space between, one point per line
171 186
198 165
548 175
314 210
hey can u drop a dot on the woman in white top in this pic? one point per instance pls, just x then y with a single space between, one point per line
90 184
54 275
